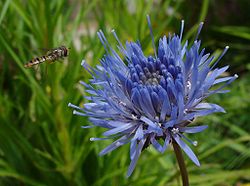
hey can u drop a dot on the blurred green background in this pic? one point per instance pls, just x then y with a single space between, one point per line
42 143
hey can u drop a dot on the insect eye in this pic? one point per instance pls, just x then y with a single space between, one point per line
66 52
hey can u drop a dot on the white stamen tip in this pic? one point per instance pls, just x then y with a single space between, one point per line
227 47
236 75
182 28
113 30
175 130
157 118
195 143
118 144
134 117
91 139
74 112
69 105
83 62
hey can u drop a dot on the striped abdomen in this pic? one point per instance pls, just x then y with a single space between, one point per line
36 61
51 56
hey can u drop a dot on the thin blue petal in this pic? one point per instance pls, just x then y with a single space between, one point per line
193 129
122 141
135 158
187 150
118 129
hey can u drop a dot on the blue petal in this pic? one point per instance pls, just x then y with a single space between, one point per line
204 112
150 123
180 105
133 144
121 141
187 150
155 101
166 107
116 123
156 144
79 113
118 129
170 123
139 133
166 142
135 98
220 88
220 80
193 129
146 103
209 81
210 106
74 106
135 158
173 115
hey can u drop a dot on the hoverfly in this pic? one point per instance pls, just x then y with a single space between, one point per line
51 56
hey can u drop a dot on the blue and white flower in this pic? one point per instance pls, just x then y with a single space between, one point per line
141 100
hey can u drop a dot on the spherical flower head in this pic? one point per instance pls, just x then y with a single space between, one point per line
141 100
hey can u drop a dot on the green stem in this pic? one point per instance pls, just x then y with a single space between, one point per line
181 163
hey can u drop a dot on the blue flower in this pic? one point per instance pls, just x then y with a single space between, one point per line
144 100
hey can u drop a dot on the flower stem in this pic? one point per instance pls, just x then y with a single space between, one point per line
181 163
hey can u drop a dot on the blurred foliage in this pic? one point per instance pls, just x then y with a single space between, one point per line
41 142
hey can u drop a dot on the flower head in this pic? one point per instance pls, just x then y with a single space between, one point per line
141 100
